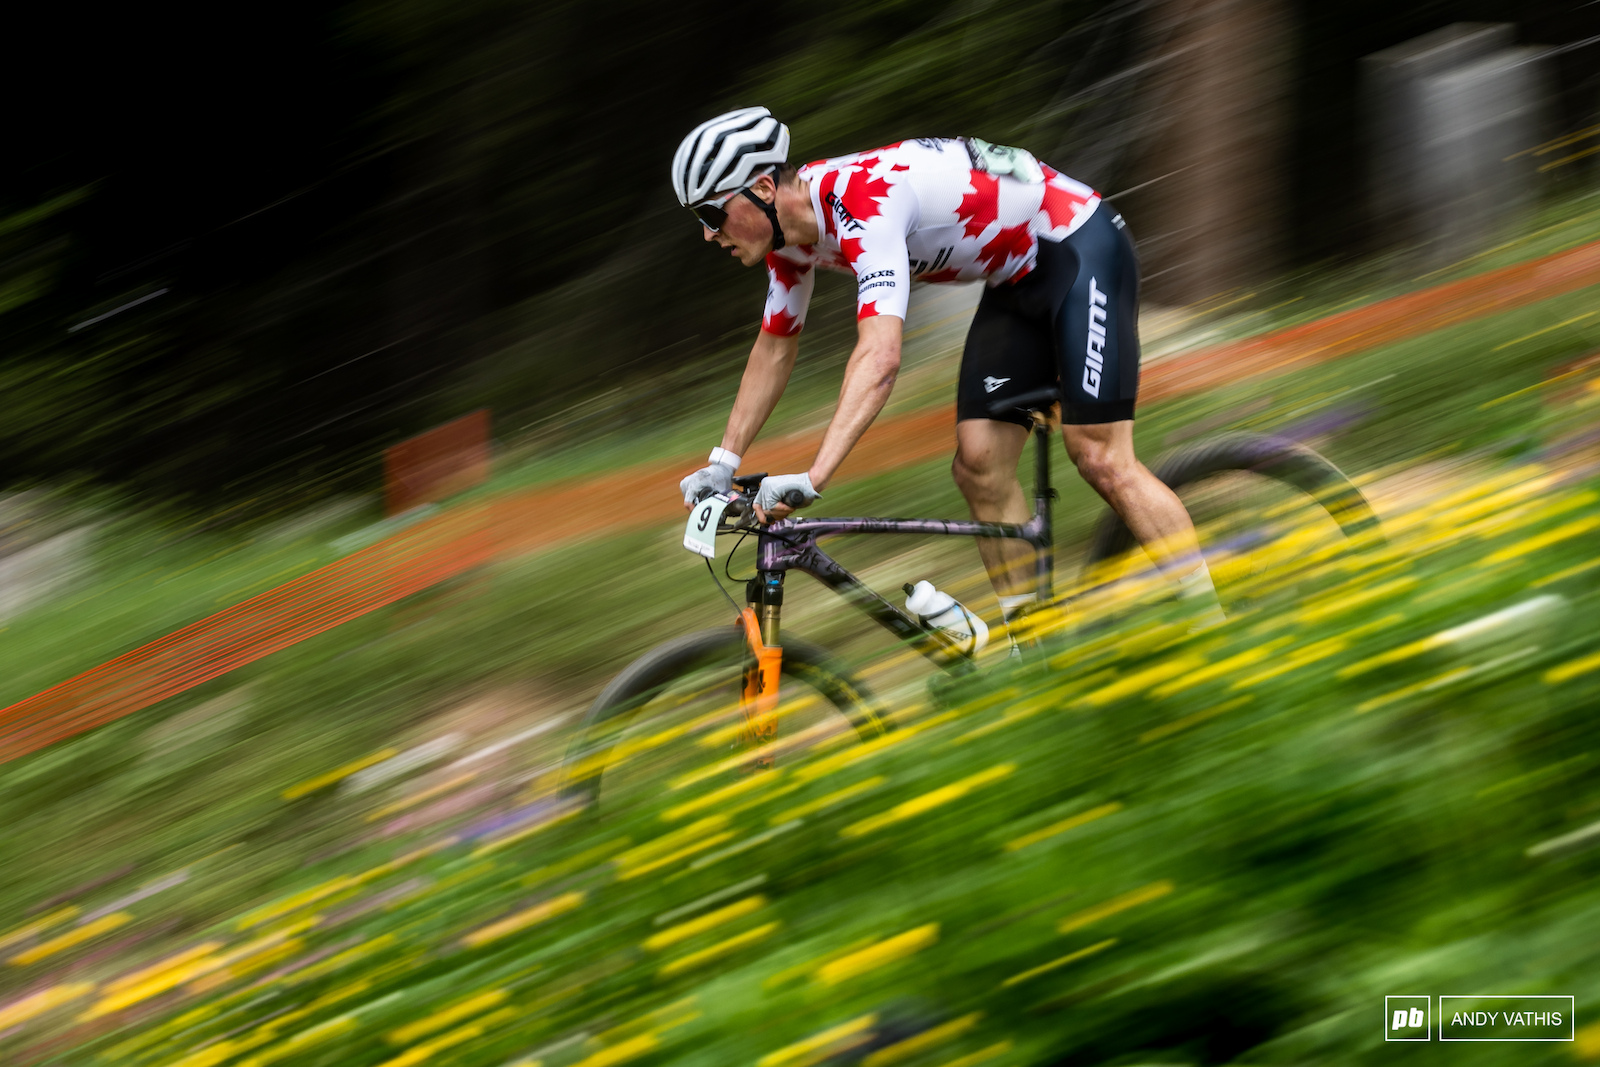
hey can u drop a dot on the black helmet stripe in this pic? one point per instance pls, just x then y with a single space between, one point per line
716 145
725 151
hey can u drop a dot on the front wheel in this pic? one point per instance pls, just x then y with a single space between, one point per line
676 709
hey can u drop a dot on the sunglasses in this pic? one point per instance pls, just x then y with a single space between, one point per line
713 214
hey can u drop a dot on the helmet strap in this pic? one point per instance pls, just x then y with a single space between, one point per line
772 216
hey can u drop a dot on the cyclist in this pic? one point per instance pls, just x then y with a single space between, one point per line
1061 306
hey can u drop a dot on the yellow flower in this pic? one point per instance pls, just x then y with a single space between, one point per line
881 954
820 1045
685 930
539 913
1063 826
928 801
1153 891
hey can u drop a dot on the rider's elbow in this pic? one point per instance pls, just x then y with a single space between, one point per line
886 367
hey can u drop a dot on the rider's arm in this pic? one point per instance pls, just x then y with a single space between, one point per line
765 375
868 381
881 263
772 358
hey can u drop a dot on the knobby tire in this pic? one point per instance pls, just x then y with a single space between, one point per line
650 674
1278 458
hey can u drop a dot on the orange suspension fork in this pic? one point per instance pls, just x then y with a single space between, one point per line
759 698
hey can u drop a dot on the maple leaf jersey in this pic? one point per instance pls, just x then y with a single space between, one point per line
918 210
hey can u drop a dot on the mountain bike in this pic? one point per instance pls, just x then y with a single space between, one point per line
722 685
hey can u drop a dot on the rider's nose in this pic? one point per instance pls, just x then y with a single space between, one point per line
710 234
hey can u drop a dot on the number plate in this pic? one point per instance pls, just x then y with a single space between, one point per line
700 535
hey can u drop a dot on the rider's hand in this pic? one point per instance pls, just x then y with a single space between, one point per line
769 499
716 476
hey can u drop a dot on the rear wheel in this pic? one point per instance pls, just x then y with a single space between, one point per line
674 712
1266 509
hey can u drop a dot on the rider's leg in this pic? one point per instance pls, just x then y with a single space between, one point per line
1103 454
1097 336
1010 351
985 470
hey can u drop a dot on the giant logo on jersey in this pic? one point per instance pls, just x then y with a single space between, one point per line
842 213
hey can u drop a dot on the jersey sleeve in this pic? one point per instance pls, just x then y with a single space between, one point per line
788 295
876 217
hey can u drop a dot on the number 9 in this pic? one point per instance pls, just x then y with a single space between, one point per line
705 517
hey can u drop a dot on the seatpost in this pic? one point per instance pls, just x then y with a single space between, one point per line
1043 494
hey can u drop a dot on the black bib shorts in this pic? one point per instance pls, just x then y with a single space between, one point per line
1074 319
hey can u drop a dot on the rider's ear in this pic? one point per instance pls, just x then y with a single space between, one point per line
765 187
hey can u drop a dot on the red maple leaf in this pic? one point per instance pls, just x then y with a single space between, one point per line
860 196
785 271
901 166
1010 241
830 224
1059 206
850 247
949 274
981 206
781 323
867 310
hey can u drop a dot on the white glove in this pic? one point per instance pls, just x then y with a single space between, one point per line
774 488
717 476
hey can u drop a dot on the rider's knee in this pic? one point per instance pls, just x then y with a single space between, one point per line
978 483
1102 468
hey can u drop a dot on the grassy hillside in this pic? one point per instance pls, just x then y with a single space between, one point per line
1154 847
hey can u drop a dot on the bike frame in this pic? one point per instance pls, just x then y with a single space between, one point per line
791 545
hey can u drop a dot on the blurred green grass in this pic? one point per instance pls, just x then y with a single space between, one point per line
1290 860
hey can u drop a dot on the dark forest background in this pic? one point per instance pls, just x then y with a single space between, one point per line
245 248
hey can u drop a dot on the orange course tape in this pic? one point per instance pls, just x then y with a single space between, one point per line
469 536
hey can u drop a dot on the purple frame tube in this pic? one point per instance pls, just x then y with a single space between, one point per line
792 545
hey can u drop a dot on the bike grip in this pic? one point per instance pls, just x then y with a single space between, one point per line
703 494
794 498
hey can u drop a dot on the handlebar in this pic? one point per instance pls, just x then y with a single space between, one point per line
794 498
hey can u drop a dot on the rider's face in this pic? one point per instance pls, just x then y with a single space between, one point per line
746 233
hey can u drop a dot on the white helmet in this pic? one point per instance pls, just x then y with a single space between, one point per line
728 152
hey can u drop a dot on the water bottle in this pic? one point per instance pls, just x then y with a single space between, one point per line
942 612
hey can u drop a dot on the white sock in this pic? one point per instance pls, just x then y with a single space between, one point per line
1013 607
1016 604
1195 589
